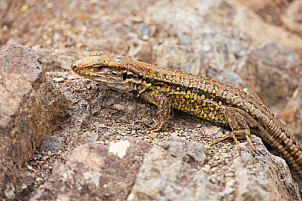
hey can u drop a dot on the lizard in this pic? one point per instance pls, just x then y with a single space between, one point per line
200 96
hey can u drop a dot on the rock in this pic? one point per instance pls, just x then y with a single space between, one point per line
231 78
250 23
29 110
268 69
20 72
93 172
50 108
50 144
178 167
292 17
273 81
218 39
164 177
255 4
183 149
90 136
271 182
292 112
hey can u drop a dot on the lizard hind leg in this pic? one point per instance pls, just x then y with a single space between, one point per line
237 121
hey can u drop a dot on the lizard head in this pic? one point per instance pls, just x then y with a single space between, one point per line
108 70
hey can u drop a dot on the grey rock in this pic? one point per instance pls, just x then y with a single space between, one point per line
292 112
263 177
180 148
90 136
164 177
50 144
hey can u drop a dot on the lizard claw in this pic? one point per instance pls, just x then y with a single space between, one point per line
228 136
233 136
156 126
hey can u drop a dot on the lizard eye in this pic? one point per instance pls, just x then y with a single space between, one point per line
124 74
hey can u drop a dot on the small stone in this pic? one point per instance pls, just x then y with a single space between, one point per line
90 136
50 143
58 79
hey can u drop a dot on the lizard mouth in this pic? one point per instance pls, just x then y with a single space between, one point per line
96 71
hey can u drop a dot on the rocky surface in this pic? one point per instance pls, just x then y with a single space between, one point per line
99 152
20 73
30 109
96 172
292 17
292 112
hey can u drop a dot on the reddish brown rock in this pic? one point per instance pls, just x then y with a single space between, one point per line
29 110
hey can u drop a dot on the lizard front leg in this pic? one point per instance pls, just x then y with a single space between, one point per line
163 108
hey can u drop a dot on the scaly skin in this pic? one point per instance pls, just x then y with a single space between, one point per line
202 97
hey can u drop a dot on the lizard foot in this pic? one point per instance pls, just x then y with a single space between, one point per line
233 136
156 126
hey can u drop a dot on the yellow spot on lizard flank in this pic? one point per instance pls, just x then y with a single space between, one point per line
177 88
205 115
219 103
203 96
150 84
176 92
217 107
204 103
213 117
158 87
147 76
173 81
187 96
